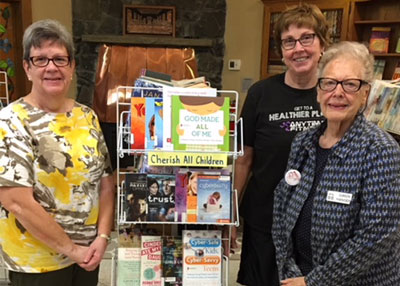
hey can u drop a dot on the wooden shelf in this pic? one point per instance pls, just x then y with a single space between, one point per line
386 55
376 22
141 40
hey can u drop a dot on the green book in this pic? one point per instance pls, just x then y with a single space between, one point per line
200 123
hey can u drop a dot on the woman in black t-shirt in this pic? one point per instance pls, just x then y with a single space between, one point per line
274 111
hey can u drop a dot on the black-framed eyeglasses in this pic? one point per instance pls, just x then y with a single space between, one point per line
60 61
305 40
348 85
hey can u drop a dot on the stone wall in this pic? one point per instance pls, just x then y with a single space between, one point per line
194 19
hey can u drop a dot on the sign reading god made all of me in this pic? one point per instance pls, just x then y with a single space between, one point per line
187 159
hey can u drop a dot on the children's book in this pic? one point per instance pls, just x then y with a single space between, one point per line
214 199
150 123
186 205
202 257
200 123
138 122
128 270
168 93
135 197
150 263
161 197
172 260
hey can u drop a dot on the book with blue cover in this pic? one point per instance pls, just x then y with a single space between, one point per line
150 123
214 198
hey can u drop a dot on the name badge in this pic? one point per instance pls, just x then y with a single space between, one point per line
339 197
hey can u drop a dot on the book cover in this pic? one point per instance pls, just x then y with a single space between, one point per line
380 99
392 121
168 93
379 67
186 189
200 123
161 197
202 263
214 199
159 125
138 122
150 263
150 123
145 88
396 73
129 246
191 197
156 75
172 253
135 195
182 179
379 41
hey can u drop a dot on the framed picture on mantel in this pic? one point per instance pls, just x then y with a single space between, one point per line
150 20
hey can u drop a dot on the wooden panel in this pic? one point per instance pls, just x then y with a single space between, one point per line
121 65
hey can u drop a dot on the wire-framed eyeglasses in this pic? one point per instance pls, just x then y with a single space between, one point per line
349 85
305 40
60 61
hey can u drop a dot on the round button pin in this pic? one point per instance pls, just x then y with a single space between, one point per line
292 177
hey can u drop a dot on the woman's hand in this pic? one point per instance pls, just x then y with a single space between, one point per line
298 281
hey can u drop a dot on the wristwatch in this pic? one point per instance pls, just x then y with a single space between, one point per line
105 236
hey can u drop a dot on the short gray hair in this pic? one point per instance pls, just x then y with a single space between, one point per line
353 50
43 30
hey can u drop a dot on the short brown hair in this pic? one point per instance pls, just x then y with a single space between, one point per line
303 15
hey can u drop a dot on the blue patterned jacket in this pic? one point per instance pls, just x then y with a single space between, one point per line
354 244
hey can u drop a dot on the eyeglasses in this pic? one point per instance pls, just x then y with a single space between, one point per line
305 40
349 85
60 61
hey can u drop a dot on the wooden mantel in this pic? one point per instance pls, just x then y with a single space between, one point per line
140 40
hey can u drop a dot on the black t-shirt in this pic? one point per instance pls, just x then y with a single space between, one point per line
272 114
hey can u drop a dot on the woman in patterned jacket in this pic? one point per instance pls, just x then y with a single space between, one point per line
337 211
56 188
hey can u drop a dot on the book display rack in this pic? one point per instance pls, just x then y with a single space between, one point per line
180 145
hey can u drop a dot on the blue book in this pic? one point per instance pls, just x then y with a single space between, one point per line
214 198
146 89
150 123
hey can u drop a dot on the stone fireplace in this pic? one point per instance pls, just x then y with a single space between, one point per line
200 24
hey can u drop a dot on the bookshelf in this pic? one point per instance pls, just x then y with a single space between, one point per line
366 14
336 13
